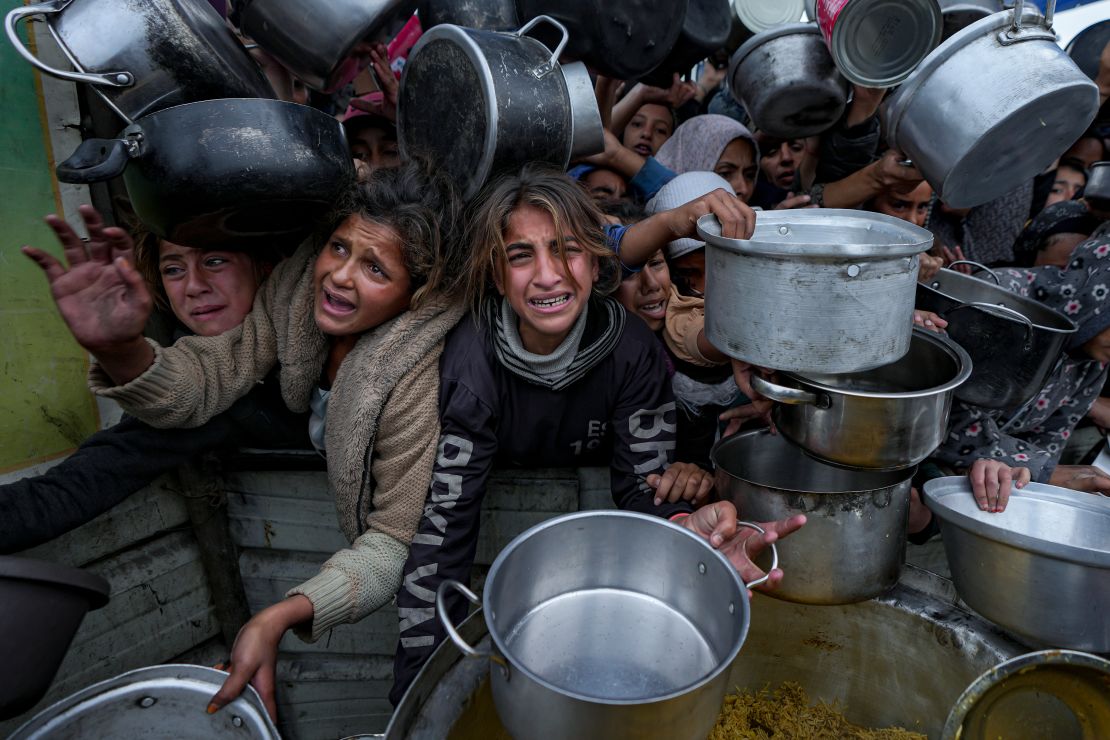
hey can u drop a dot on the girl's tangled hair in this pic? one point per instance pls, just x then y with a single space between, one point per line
550 190
424 208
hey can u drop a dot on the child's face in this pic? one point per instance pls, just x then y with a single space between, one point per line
646 292
209 290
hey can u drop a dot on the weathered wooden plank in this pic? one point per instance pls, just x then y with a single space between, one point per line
333 696
542 489
148 512
498 528
323 724
283 523
300 485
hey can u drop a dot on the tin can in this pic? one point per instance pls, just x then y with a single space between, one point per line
878 43
760 15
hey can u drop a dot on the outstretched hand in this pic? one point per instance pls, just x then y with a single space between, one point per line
718 524
101 297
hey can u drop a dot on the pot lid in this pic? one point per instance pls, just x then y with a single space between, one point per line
1041 519
764 36
1049 694
160 701
759 15
26 569
831 233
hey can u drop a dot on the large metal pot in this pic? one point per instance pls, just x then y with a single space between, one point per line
814 290
593 639
750 17
705 29
1097 188
485 15
854 541
1041 568
165 701
866 657
41 607
1013 341
788 82
624 39
1087 45
145 55
888 418
325 44
224 172
511 102
959 14
964 115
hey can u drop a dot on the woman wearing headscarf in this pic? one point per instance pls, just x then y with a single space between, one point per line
1035 435
1050 238
713 143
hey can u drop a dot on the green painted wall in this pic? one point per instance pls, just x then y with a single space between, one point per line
45 408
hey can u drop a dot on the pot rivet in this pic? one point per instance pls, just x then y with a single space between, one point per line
784 230
853 270
147 702
701 568
122 79
237 721
731 608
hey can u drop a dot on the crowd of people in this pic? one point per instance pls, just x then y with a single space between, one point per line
555 319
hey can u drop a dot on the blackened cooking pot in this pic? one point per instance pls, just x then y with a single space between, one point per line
1013 341
483 102
705 29
224 172
145 55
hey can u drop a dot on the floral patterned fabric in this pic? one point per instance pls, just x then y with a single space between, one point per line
1036 436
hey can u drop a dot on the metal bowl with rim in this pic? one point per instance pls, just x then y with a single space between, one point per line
1040 569
1046 694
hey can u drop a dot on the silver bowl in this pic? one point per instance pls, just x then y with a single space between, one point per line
1040 569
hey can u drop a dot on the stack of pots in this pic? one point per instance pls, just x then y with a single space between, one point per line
826 297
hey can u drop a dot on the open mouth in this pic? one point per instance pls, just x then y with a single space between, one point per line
643 150
551 304
654 310
205 312
335 304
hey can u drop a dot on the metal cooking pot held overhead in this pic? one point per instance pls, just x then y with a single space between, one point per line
141 57
705 29
224 172
510 103
964 116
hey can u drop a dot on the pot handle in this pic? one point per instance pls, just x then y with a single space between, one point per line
11 26
441 612
774 555
1006 311
980 265
96 160
1016 32
551 63
792 396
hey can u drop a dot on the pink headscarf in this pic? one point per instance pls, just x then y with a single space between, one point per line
697 144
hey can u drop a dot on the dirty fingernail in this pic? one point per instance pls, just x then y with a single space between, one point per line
212 709
658 501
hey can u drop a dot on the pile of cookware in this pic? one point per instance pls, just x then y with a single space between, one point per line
208 156
826 297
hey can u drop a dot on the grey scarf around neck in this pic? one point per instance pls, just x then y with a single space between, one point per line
569 362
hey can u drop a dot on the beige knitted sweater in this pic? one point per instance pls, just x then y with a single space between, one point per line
382 424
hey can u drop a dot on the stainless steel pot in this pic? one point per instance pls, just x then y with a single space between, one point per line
1013 341
788 82
888 418
145 56
158 702
814 290
861 656
1097 188
325 44
511 102
592 638
1087 45
705 29
959 14
1041 568
485 15
854 541
982 88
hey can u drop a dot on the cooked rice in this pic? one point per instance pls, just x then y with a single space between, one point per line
786 713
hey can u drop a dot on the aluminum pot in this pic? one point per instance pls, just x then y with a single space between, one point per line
593 639
1097 189
1047 694
511 103
1013 341
625 39
1086 48
224 172
959 14
877 43
888 418
861 656
981 88
787 81
485 15
854 541
326 44
705 29
164 701
41 606
814 290
141 56
1040 569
